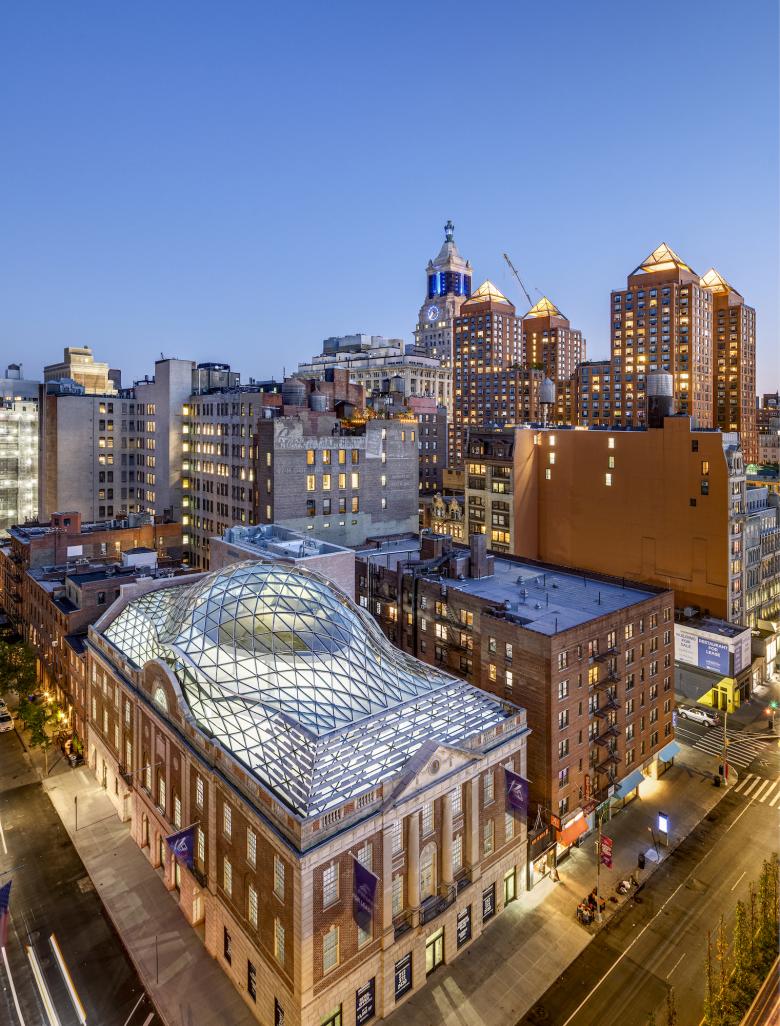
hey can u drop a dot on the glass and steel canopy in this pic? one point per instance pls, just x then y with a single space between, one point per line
297 681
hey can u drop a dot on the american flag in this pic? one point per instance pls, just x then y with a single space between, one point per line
5 896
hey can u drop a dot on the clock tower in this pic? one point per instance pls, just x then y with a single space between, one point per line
449 285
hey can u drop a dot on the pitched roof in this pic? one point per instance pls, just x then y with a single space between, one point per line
544 308
487 292
663 258
716 283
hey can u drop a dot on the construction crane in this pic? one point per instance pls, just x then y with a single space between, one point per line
514 271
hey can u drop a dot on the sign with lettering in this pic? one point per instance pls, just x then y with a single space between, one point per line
403 976
365 1004
555 820
489 903
606 851
464 926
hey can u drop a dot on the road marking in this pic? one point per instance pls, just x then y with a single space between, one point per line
760 791
43 990
2 838
755 784
742 783
13 988
148 1019
771 789
138 1002
739 817
81 1015
736 884
776 798
675 965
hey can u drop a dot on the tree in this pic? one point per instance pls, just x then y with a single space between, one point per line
743 957
38 718
651 1019
17 668
671 1008
722 954
711 1013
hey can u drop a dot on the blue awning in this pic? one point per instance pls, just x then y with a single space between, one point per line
629 783
669 752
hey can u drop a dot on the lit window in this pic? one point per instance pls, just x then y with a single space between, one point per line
427 818
279 941
251 847
330 949
330 885
311 482
252 905
488 787
310 457
227 820
199 792
548 474
201 846
227 877
608 480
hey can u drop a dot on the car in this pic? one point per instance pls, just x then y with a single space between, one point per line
6 722
706 716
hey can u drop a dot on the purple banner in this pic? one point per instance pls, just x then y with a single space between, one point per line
363 896
182 845
516 792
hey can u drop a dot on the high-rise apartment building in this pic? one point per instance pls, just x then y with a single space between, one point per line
449 284
18 461
592 390
550 343
79 365
734 362
490 385
662 320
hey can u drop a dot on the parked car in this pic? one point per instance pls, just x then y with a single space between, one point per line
6 722
708 717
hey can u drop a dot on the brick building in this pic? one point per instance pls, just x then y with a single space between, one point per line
260 705
590 658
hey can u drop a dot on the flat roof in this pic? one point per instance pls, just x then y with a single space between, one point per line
271 539
712 625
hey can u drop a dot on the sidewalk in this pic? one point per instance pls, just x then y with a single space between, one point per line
501 976
191 989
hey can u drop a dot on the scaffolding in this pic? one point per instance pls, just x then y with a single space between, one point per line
18 462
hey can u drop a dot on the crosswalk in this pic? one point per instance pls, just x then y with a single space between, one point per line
759 789
742 749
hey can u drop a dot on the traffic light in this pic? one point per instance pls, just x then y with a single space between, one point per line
773 704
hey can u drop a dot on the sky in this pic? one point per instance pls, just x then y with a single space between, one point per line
238 181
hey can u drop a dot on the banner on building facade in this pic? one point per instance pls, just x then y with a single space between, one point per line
182 845
365 1002
464 926
363 895
403 976
516 792
606 851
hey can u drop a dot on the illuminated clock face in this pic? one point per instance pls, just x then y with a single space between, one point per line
433 313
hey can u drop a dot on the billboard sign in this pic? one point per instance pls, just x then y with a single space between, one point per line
714 656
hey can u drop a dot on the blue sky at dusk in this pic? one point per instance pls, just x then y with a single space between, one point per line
238 181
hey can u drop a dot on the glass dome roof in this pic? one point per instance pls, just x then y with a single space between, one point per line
296 680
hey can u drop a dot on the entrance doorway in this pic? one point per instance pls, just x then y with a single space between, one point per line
434 951
510 886
177 876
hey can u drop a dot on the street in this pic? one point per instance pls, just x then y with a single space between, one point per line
659 941
51 893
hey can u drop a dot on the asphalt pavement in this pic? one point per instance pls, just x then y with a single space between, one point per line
51 893
659 940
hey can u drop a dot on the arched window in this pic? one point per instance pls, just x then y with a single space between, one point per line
160 698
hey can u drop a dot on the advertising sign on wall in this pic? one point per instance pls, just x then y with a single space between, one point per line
365 1005
403 976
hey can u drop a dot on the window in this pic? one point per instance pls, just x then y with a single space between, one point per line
201 846
563 777
330 885
251 847
508 652
251 980
398 892
365 855
199 792
310 457
252 905
227 946
457 802
279 941
227 877
563 719
457 853
177 812
311 482
488 785
330 949
227 820
427 819
563 660
608 480
563 689
492 671
278 877
487 837
354 479
509 826
397 836
563 748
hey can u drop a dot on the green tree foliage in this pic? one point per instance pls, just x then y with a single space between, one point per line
38 718
671 1008
17 668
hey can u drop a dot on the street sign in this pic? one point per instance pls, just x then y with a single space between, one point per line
605 853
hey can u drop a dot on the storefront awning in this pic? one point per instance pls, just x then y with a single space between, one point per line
669 752
570 833
627 785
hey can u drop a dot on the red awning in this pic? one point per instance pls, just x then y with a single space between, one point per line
570 833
